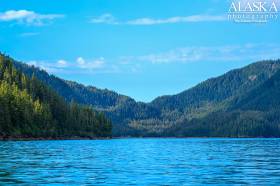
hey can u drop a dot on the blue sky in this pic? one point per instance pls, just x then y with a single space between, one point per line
140 48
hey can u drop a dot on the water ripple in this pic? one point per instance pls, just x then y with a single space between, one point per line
141 162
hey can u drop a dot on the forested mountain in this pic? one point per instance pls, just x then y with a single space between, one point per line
119 108
30 109
215 107
212 95
250 114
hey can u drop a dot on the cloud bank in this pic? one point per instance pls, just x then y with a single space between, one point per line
190 54
28 17
229 53
110 19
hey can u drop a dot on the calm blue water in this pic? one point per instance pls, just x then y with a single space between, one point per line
141 162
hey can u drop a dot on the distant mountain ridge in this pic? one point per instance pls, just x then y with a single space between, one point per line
175 115
71 90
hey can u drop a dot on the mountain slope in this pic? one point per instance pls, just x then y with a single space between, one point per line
30 109
255 113
264 97
207 97
167 115
70 90
119 108
220 88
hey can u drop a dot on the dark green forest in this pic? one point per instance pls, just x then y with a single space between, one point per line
31 109
243 102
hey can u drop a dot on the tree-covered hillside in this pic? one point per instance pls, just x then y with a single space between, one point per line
30 109
219 99
119 108
204 109
255 113
211 95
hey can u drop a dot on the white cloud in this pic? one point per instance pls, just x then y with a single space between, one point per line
178 19
49 67
80 61
28 17
78 66
247 52
62 63
81 65
109 19
94 64
105 18
134 64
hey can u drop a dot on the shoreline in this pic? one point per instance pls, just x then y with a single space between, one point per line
12 138
112 138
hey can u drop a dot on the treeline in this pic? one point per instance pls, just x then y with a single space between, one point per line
30 109
238 123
